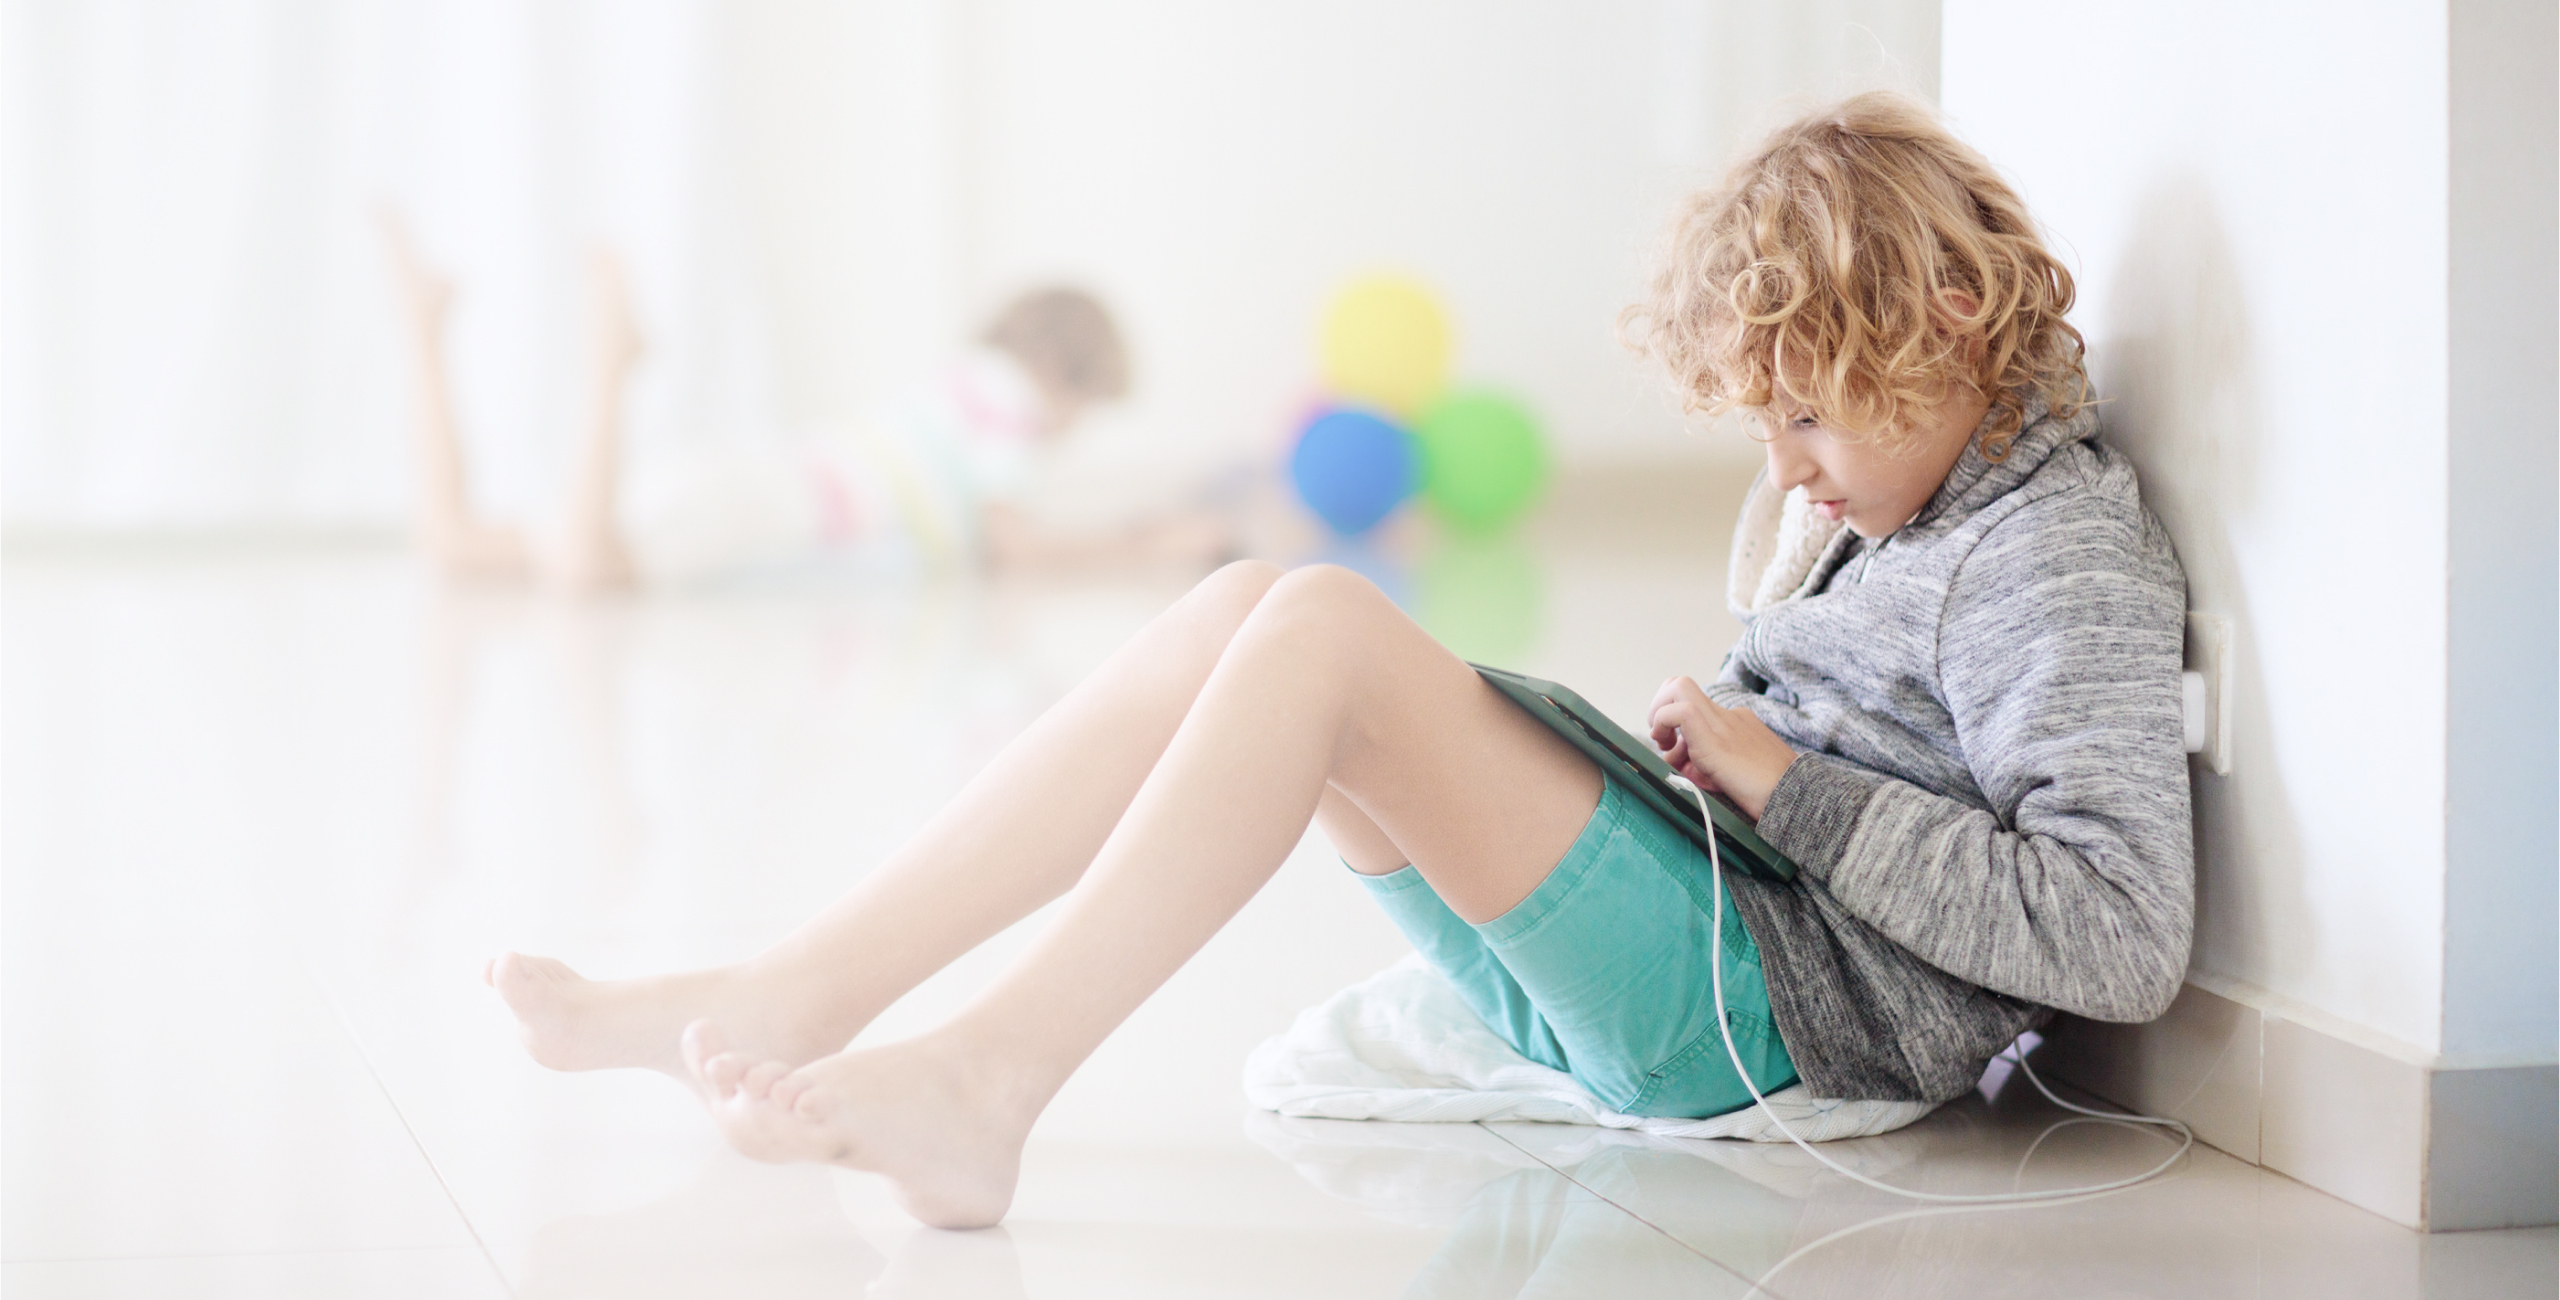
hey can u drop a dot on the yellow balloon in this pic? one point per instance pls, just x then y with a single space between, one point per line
1386 343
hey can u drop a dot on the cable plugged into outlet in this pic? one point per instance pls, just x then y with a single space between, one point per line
2207 689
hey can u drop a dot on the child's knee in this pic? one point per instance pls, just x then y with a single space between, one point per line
1327 593
1320 619
1234 589
1255 576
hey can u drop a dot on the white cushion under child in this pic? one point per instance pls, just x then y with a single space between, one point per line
1401 1045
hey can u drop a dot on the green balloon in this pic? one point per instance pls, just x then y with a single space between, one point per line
1483 462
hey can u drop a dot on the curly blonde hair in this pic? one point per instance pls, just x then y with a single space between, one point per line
1821 273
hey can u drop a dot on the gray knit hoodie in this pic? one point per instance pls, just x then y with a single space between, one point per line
1991 813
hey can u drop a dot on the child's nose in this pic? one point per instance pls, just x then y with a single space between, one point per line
1787 471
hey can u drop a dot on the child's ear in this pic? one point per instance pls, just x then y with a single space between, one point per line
1960 310
1960 313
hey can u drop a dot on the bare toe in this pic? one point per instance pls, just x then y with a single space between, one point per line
702 1041
570 1022
761 1132
726 1074
787 1092
760 1079
812 1100
949 1143
516 970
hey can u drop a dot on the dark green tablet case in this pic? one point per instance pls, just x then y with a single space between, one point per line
1633 764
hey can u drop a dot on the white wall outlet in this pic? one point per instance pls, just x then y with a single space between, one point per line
2208 691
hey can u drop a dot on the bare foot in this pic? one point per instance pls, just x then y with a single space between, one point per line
570 1022
945 1132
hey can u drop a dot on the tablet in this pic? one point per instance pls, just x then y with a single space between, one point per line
1633 763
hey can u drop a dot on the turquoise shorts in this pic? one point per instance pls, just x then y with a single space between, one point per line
1602 971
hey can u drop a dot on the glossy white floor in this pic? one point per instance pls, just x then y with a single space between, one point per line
266 812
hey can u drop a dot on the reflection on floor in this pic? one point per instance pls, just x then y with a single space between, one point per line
265 812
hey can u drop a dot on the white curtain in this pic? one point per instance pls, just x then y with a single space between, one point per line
196 328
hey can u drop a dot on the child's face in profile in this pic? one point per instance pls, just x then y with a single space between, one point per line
1876 491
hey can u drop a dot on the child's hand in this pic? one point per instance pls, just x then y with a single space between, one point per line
1728 751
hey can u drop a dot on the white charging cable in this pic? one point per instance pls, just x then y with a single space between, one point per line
1715 860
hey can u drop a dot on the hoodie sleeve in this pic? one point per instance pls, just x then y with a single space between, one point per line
2058 660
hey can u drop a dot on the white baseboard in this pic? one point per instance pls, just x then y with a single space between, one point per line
2434 1144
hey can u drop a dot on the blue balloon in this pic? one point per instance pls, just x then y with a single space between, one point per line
1353 468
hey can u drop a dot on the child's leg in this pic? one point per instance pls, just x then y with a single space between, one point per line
1369 850
1440 935
459 541
1326 684
589 554
1018 836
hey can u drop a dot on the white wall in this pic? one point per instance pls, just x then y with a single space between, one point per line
1220 169
2502 837
2255 198
845 133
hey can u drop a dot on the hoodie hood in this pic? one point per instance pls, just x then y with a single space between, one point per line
1782 548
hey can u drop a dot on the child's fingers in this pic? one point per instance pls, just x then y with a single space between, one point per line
1673 691
1691 730
1672 744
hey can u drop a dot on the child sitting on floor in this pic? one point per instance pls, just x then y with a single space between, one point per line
937 479
1954 706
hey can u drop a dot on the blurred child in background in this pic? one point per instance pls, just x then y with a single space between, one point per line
938 480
